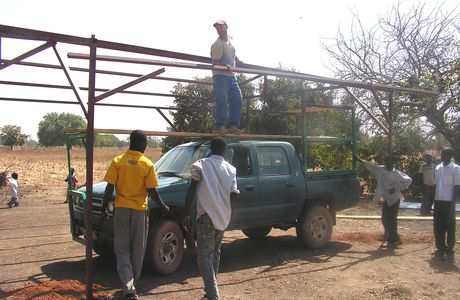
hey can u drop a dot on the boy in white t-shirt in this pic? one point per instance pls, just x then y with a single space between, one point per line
13 184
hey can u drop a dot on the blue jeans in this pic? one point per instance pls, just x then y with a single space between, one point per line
228 101
208 254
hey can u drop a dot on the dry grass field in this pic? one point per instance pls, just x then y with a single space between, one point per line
39 259
48 166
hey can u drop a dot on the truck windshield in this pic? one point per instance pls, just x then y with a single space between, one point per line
177 161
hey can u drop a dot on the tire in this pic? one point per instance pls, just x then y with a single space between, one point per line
257 233
314 228
165 246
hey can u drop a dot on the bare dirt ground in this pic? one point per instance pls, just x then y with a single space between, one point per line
39 260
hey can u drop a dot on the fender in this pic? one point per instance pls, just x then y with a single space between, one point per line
324 199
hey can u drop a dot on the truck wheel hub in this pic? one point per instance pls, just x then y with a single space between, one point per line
318 227
168 248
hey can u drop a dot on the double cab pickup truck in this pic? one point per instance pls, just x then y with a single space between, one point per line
275 192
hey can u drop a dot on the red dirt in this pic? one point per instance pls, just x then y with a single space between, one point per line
54 290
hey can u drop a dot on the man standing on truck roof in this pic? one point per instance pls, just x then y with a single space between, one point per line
226 89
134 179
447 192
214 182
390 183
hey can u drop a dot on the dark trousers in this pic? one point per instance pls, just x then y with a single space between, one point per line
390 221
428 199
444 225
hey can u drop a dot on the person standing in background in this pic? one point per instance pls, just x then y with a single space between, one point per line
390 183
427 170
447 192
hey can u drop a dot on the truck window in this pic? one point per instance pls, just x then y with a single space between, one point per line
179 159
273 160
239 157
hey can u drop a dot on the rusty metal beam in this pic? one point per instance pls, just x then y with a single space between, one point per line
380 105
166 119
65 87
36 100
143 61
251 79
26 55
383 127
98 104
312 90
69 79
30 34
128 85
89 169
279 73
117 73
146 106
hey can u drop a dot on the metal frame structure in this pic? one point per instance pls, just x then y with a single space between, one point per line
182 60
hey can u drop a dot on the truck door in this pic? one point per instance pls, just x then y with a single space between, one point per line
279 189
247 207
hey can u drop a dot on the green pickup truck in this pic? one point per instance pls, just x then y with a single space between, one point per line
275 193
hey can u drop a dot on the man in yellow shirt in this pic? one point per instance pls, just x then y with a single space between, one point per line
134 179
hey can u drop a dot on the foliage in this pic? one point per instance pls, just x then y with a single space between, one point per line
153 142
51 130
276 111
417 48
11 136
105 140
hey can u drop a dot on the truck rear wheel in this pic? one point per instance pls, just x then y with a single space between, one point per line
257 233
314 228
165 246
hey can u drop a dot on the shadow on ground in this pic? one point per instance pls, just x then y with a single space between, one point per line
237 254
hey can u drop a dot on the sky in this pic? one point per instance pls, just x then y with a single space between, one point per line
267 33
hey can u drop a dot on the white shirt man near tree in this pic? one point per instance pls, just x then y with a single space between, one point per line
390 183
447 192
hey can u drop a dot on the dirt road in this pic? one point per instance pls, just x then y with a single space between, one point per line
35 246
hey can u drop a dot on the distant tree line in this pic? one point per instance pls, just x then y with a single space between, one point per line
51 133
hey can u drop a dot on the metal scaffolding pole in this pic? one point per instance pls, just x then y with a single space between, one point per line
89 170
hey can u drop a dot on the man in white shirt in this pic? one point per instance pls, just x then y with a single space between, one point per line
13 184
427 171
214 182
390 183
447 193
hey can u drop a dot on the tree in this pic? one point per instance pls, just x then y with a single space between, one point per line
153 142
51 130
11 136
105 140
269 114
417 48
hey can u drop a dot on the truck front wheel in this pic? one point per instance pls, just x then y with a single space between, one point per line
314 228
257 233
165 246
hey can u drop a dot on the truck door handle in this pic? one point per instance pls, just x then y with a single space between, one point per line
289 185
250 187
